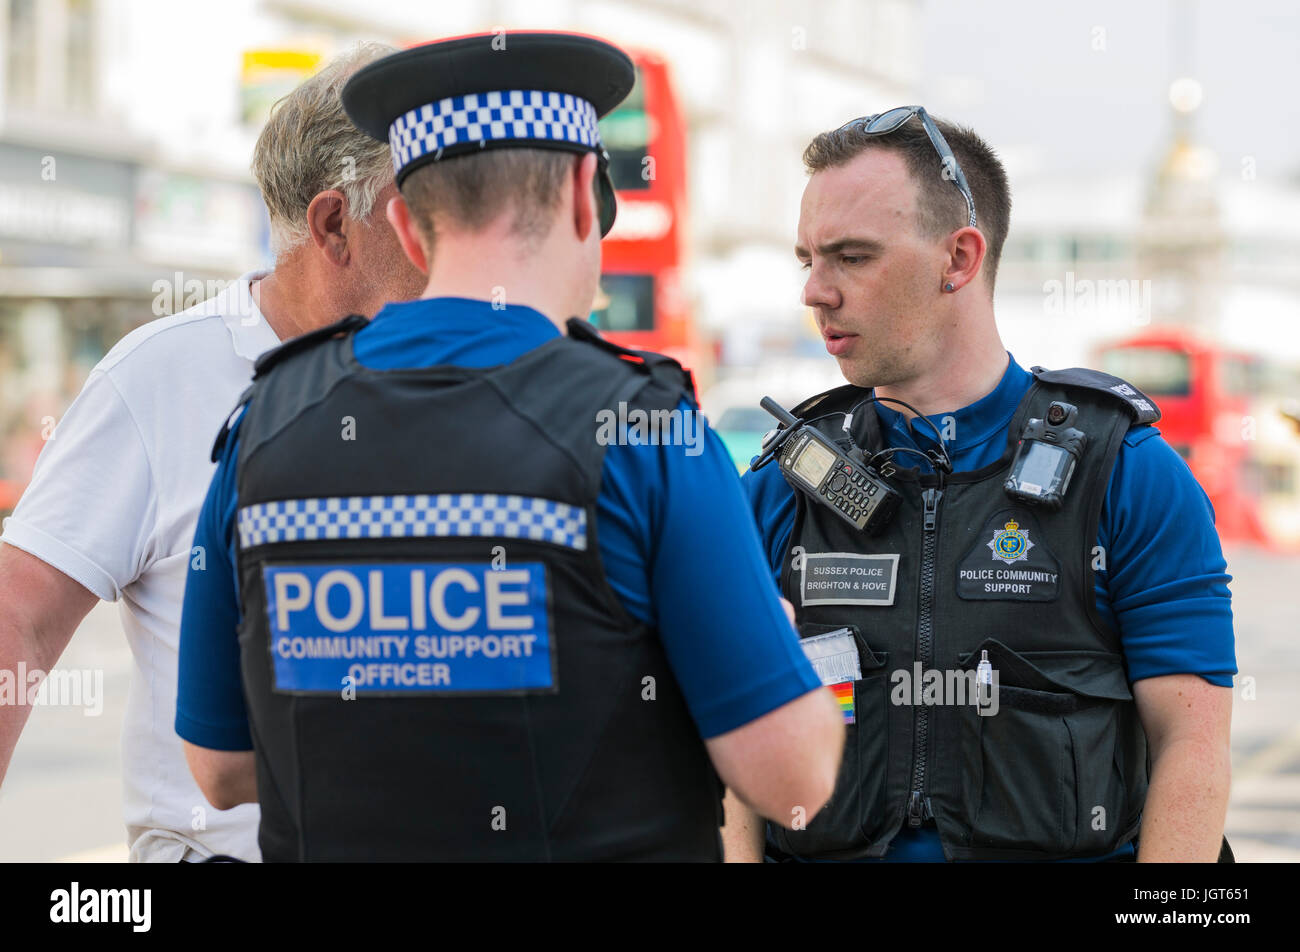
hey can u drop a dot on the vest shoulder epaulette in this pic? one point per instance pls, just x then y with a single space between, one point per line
1142 407
659 366
224 433
275 355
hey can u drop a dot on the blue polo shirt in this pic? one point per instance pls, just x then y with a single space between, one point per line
1164 587
674 533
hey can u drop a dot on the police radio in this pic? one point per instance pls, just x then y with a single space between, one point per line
1046 456
843 482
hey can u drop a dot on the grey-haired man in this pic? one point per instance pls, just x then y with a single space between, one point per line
111 509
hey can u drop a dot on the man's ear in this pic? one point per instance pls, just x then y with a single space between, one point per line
966 250
408 236
586 216
325 217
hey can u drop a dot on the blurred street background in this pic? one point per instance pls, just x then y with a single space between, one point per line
1155 234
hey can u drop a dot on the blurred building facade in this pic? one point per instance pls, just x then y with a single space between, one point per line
126 128
1217 251
104 222
1181 279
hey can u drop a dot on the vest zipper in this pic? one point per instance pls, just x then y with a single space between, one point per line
918 806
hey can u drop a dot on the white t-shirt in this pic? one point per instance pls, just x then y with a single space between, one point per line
113 504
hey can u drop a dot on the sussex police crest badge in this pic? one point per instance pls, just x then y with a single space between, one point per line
1010 543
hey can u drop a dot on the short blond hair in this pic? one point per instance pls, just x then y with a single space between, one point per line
472 190
309 145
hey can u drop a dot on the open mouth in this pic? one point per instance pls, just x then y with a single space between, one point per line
837 342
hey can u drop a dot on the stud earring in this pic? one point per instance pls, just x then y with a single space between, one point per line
949 287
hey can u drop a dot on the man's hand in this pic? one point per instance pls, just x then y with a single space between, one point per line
789 610
40 608
743 833
1187 722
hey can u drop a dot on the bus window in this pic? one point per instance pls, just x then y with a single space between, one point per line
625 302
1155 371
1240 377
1279 478
626 135
1279 380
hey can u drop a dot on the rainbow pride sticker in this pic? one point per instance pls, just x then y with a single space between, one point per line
844 694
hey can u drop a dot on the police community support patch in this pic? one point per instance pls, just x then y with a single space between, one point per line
1009 562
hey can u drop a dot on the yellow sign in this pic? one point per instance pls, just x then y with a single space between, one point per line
269 74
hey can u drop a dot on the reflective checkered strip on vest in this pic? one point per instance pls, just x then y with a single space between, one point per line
374 517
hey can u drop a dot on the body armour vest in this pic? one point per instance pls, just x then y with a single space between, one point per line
1056 766
434 663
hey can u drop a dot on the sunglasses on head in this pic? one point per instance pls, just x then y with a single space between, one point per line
883 123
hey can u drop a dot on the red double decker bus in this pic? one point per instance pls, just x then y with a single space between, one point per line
642 303
1226 414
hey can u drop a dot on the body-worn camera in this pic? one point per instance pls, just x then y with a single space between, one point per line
841 482
1046 456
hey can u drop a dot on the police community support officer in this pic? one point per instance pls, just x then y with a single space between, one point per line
1108 621
471 627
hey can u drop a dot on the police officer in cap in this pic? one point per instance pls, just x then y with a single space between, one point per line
1041 632
482 612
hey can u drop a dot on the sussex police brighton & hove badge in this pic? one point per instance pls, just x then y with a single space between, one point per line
1010 544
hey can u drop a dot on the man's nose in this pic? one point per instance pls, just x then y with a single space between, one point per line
817 292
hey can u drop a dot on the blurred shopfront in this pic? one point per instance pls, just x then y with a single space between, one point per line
90 248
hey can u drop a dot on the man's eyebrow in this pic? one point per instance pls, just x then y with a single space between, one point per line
869 245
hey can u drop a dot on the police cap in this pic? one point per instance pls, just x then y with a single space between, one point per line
542 90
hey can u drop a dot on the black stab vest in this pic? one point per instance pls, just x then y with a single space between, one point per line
1060 769
600 762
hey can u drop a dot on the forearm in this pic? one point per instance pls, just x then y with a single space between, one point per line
743 833
236 788
1187 802
40 608
18 657
25 659
226 777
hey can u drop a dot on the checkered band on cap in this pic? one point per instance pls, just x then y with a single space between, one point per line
386 517
511 114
